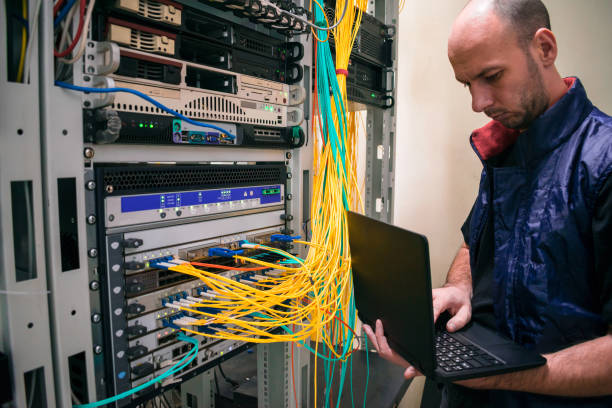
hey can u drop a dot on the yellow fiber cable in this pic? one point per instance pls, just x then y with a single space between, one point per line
24 41
313 296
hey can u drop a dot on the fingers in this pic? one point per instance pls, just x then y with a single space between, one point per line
439 305
371 337
382 340
385 350
411 372
460 319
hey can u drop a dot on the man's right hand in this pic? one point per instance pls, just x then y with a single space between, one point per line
454 299
457 301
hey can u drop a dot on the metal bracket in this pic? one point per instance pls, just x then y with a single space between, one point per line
389 79
390 31
295 116
297 94
97 100
101 58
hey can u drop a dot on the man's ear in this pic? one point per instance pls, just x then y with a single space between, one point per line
545 45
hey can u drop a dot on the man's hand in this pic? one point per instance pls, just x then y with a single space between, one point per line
457 301
454 299
381 345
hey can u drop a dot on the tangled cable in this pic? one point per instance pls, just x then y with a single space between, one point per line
311 298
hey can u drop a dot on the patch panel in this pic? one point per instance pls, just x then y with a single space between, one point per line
192 251
204 218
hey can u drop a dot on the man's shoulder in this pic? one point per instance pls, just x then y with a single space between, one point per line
595 153
597 132
601 118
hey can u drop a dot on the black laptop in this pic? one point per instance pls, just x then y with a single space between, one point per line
392 283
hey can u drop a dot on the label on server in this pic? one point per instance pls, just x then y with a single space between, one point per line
127 210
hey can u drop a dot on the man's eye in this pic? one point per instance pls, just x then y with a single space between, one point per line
494 77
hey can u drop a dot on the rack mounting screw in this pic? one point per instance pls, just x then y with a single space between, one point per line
88 152
289 175
109 189
91 219
91 185
288 155
98 349
96 318
94 285
93 252
289 197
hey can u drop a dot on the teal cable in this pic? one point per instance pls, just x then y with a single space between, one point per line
177 367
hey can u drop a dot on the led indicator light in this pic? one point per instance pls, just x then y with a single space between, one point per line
141 125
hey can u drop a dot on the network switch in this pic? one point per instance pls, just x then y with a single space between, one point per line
140 128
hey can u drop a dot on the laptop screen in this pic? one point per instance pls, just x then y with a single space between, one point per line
392 283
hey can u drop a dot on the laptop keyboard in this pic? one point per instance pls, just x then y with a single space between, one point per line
457 355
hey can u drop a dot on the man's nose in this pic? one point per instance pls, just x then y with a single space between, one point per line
481 98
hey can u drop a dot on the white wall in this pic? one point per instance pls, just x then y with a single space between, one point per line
437 172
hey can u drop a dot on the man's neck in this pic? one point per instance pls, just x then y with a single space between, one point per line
556 89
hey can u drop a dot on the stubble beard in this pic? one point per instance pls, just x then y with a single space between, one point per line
534 99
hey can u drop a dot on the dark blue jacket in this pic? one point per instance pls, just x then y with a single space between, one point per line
544 289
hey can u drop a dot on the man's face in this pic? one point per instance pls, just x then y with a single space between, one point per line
503 78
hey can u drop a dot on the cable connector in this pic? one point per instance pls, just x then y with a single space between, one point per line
224 252
283 238
167 323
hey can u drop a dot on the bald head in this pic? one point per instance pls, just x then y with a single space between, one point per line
519 19
504 52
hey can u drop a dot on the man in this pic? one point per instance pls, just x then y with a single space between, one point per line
536 263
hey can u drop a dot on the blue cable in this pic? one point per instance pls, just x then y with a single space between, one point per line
185 361
146 98
62 14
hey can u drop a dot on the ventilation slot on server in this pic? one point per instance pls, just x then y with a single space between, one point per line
211 80
165 177
370 45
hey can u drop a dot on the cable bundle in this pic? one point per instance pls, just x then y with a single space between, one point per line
311 298
308 298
